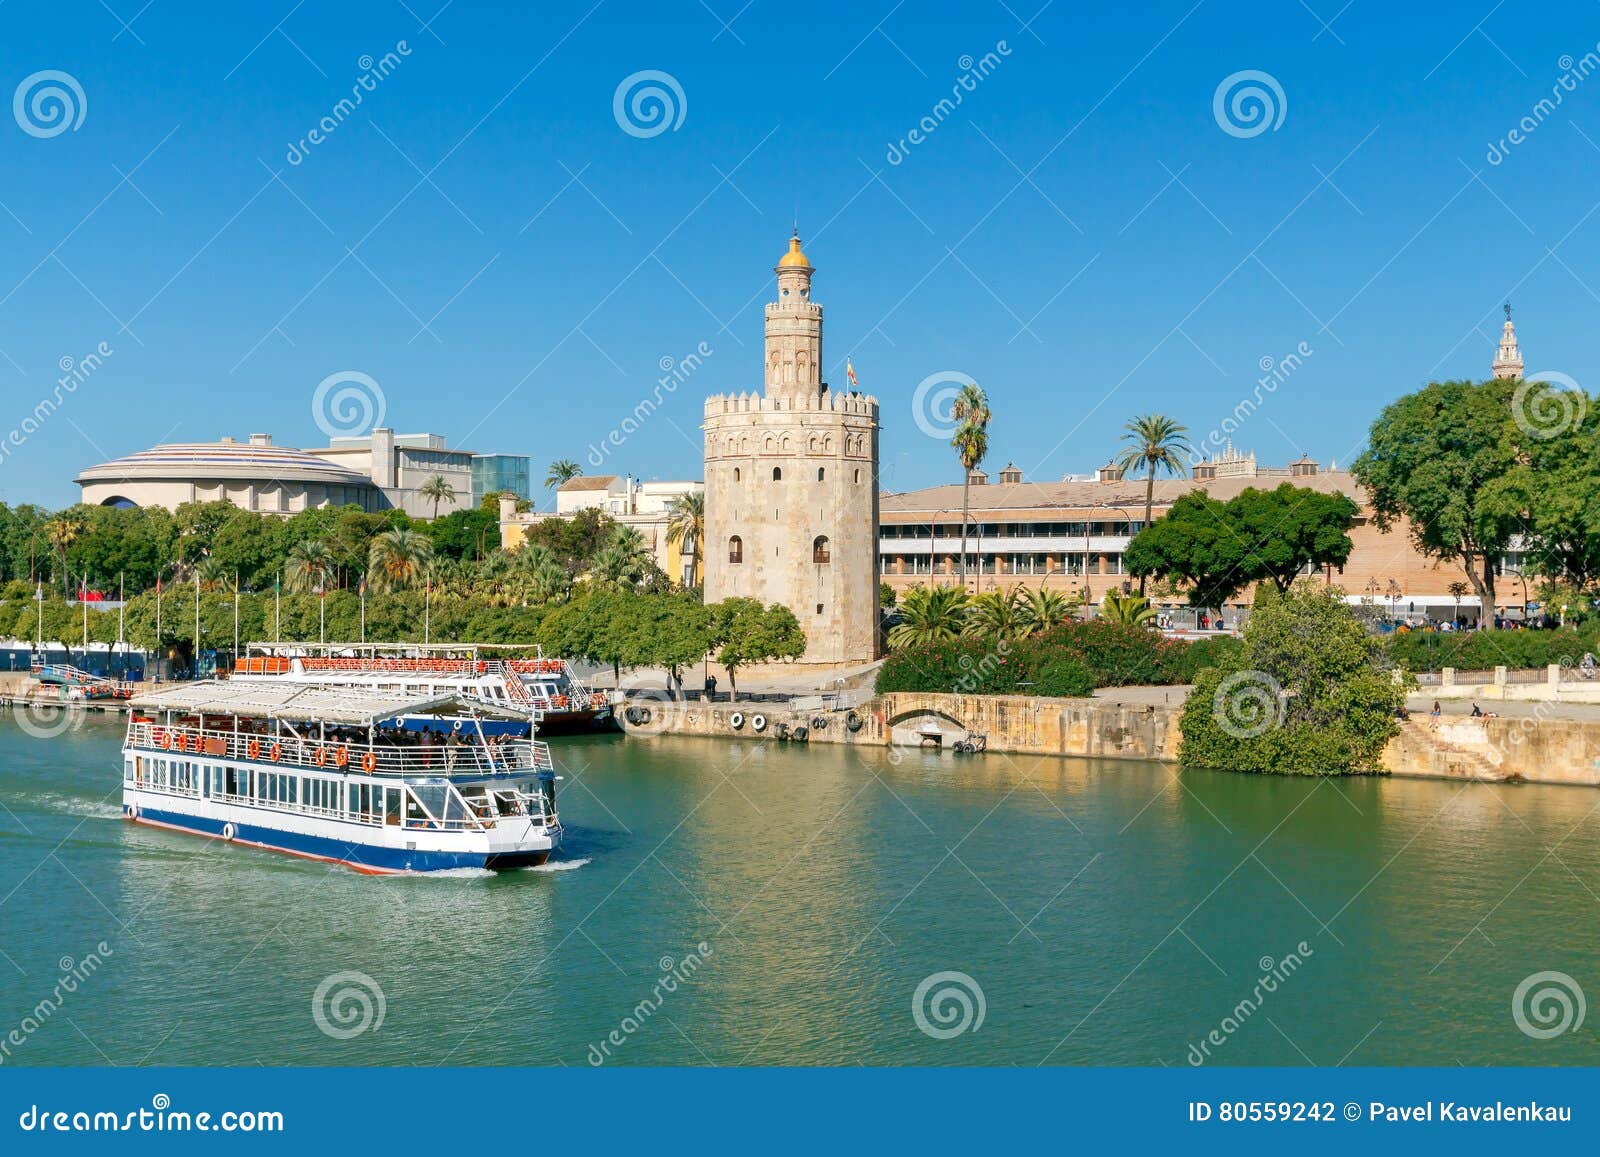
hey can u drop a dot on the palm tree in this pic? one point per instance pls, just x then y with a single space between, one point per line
1126 610
1155 443
971 441
62 532
930 615
438 489
310 565
562 471
398 558
686 522
546 578
1043 610
996 616
622 561
216 576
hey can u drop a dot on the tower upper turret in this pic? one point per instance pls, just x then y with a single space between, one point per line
794 330
1508 361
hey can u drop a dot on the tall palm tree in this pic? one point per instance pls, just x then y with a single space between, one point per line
686 523
930 615
438 489
63 532
1155 443
309 567
971 441
1043 610
546 578
215 575
397 558
562 470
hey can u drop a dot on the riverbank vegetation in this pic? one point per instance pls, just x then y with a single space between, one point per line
1309 692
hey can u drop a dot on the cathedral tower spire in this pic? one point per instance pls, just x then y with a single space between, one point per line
1508 362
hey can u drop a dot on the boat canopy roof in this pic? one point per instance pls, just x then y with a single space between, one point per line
306 702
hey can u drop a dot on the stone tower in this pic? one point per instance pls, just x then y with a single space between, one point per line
1508 362
792 485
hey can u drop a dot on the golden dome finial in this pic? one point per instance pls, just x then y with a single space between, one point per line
794 259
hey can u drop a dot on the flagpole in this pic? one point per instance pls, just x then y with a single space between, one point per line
277 608
236 619
158 620
122 604
39 598
83 605
427 611
196 622
322 616
363 590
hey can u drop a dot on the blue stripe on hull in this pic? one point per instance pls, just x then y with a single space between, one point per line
363 857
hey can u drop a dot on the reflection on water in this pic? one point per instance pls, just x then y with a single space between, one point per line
1111 913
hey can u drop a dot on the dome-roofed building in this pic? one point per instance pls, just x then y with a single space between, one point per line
253 475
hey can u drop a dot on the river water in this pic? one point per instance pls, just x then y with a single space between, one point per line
728 902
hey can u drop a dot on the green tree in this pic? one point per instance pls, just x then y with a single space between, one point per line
562 471
63 532
398 558
996 615
1192 544
686 524
1043 610
465 534
1432 460
623 561
930 615
742 631
436 490
1126 610
1289 528
1156 444
309 568
670 630
1309 693
971 442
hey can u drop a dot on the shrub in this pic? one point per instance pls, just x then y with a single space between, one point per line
1480 650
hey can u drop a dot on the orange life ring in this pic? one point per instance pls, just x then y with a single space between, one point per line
254 749
183 741
322 757
341 757
166 740
275 753
369 762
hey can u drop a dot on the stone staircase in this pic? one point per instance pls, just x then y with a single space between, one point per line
1422 748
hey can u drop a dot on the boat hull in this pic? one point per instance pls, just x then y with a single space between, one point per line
329 847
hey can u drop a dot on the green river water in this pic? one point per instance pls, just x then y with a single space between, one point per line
1108 913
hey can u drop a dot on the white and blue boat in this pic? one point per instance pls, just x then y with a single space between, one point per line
330 773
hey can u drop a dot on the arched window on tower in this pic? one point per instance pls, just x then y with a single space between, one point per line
736 549
777 474
819 549
736 474
821 472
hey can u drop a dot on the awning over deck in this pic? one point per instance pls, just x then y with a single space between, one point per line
304 702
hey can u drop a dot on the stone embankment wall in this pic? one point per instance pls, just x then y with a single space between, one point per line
1534 749
1554 684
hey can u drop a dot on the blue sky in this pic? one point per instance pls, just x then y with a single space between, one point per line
483 239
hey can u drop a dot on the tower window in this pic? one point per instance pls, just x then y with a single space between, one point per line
858 477
777 474
820 473
819 551
736 549
736 474
819 608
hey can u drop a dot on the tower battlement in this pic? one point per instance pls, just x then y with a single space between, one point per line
864 405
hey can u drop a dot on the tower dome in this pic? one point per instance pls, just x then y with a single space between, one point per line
794 259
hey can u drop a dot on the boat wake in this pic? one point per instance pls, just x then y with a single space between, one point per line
54 804
558 865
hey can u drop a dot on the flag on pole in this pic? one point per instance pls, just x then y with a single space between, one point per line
850 371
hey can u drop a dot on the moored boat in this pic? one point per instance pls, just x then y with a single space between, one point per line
328 773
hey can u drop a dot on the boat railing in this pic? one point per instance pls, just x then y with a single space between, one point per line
382 759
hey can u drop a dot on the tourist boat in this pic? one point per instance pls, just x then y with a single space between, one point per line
328 773
546 689
76 683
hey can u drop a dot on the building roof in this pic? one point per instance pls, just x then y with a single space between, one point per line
298 702
1128 495
589 482
223 459
794 259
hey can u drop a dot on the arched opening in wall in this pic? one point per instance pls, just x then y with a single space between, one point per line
777 474
736 474
821 473
736 549
819 549
858 478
